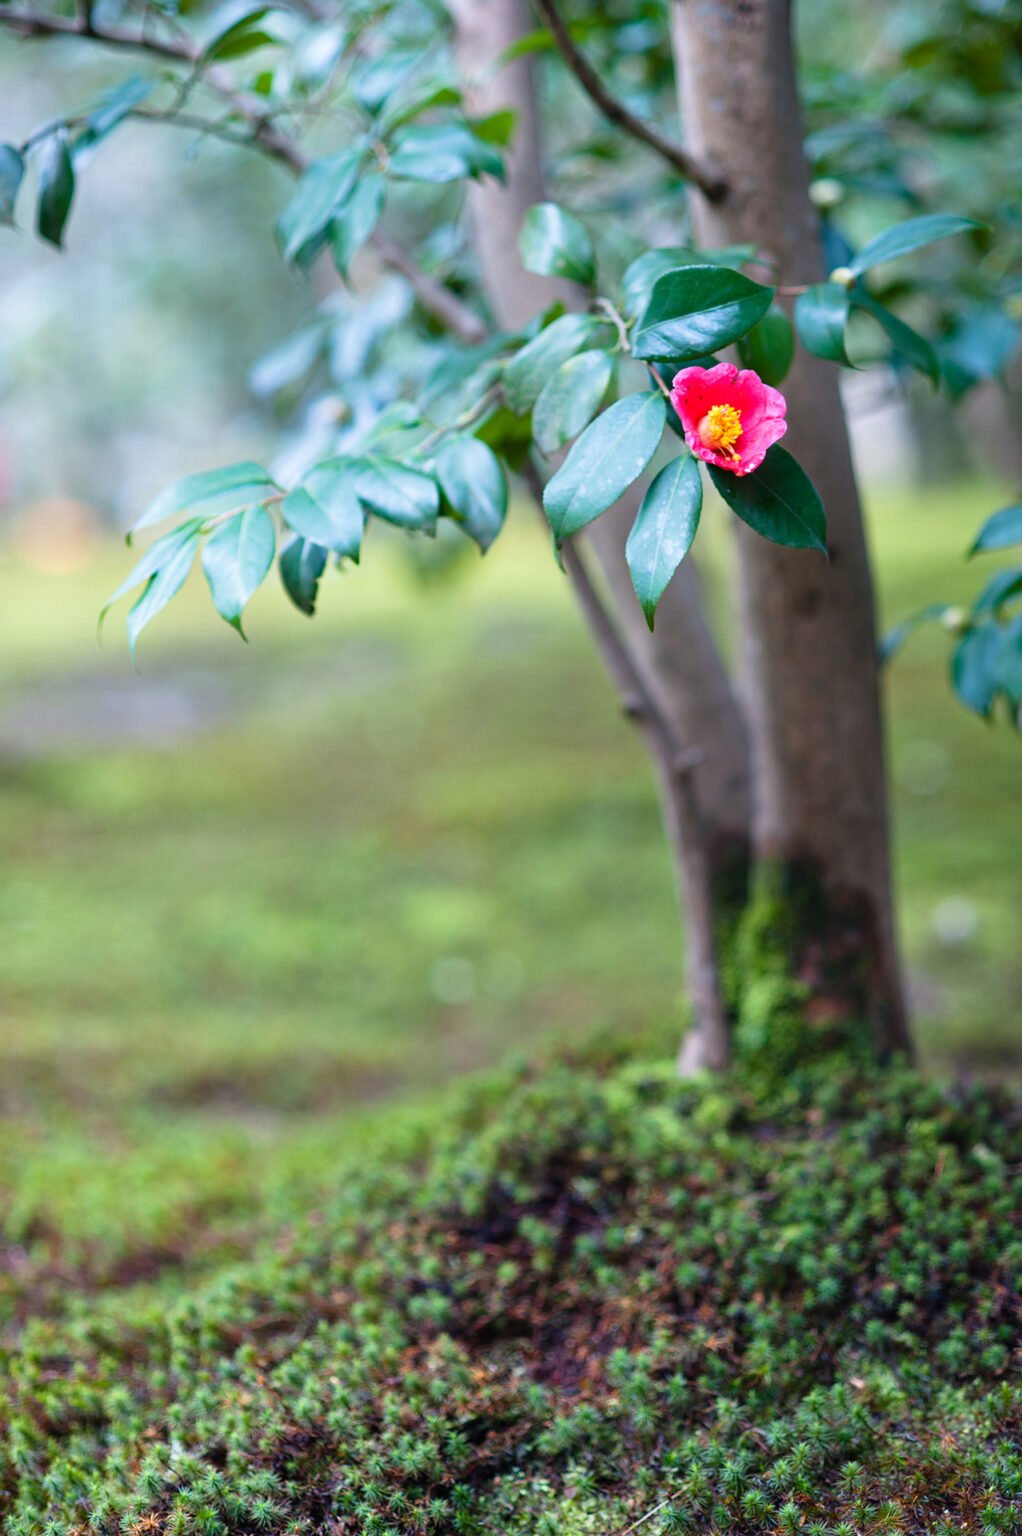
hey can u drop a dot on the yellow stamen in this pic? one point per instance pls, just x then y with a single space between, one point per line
720 429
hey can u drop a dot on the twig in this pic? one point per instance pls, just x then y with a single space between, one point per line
647 1516
434 297
705 177
685 819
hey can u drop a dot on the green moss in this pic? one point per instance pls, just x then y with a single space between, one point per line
586 1294
797 993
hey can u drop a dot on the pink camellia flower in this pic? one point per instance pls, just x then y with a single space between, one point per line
730 418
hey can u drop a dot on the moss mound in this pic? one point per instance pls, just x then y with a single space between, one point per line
593 1295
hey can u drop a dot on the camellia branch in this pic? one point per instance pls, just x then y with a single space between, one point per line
709 182
263 135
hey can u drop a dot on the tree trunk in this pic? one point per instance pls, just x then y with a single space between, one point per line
689 715
820 820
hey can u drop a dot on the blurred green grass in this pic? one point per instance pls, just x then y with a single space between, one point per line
259 903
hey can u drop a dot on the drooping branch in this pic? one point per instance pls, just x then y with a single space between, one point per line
701 174
263 135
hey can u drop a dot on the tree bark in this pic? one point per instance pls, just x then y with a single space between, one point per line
808 625
703 776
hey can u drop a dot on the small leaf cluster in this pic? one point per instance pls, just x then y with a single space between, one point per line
592 1294
986 656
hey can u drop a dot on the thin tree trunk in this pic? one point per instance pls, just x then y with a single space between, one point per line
808 625
689 716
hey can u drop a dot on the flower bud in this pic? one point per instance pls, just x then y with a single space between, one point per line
826 193
843 276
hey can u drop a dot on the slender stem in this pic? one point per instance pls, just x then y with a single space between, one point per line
705 177
686 823
431 293
607 308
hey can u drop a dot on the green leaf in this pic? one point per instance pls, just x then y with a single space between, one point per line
440 152
907 236
1009 661
607 458
664 529
235 560
915 349
496 127
428 94
893 641
695 310
769 347
321 194
974 667
158 554
554 243
640 277
473 484
301 565
1000 589
111 110
209 488
242 36
12 169
351 228
167 580
539 41
778 500
56 188
528 371
325 509
821 315
399 495
570 399
1000 531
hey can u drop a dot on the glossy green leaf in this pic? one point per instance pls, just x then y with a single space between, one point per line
403 108
321 194
528 371
243 35
778 500
496 127
570 399
908 236
356 221
158 554
235 560
1000 589
326 510
974 667
112 109
1009 661
769 347
1000 531
604 462
640 277
210 488
440 152
56 188
664 529
553 243
915 349
399 495
167 580
695 310
12 170
301 565
821 315
474 486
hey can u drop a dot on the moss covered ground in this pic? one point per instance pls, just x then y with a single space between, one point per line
585 1297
